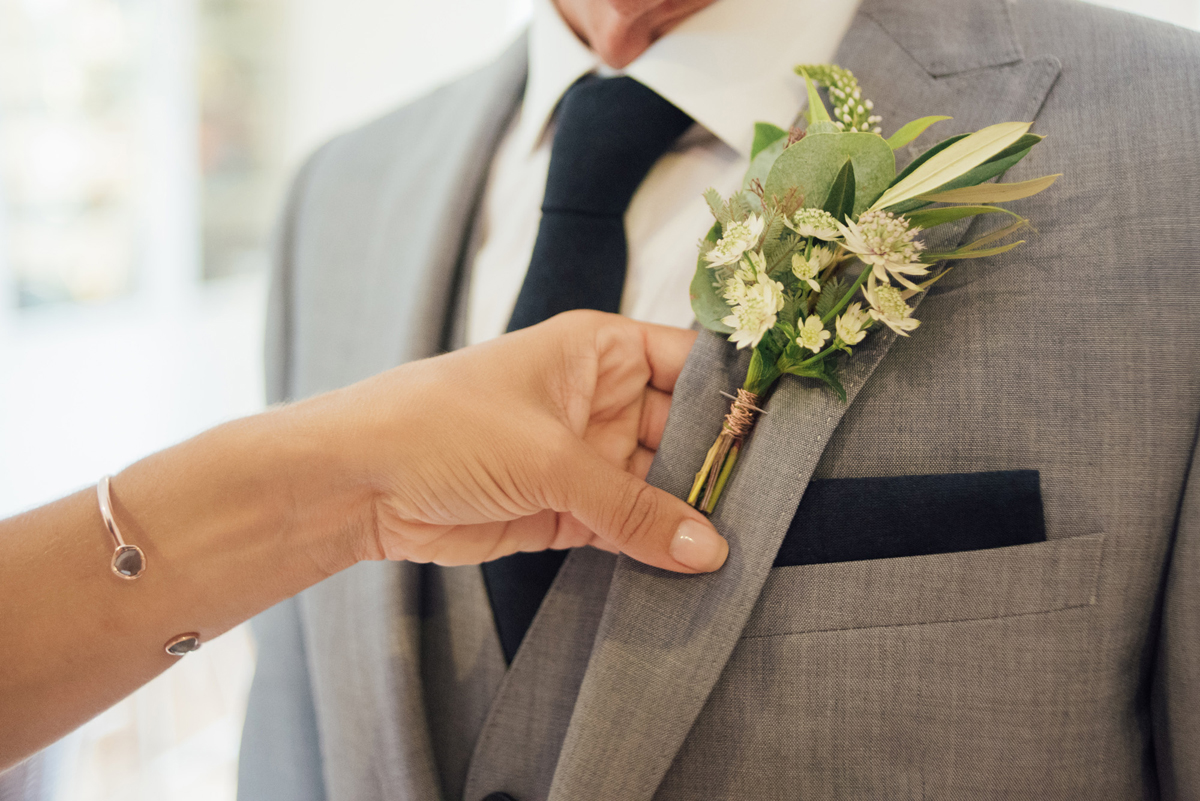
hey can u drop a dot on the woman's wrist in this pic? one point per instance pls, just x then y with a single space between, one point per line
243 516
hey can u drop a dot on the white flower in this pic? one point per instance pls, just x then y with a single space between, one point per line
756 302
885 241
812 334
814 222
889 308
807 269
851 324
736 239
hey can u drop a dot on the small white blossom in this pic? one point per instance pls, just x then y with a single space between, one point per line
815 223
807 269
736 239
851 324
885 242
812 334
756 302
889 308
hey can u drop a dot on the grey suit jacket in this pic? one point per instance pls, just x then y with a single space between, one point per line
1068 668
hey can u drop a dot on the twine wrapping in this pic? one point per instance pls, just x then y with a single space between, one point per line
722 456
741 418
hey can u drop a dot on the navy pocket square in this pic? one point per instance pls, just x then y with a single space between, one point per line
851 519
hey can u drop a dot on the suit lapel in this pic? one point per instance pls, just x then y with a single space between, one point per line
664 639
363 625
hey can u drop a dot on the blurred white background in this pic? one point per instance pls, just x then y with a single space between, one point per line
144 148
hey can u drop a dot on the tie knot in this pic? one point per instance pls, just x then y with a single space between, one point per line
609 133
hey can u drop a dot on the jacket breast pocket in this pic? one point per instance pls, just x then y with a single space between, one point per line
937 588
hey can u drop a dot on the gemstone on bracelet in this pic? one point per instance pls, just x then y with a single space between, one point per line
184 643
128 561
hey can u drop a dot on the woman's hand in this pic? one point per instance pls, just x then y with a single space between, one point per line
538 440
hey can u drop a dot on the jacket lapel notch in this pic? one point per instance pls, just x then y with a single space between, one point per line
664 639
971 35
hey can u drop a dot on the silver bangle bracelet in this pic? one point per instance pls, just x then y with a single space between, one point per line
128 561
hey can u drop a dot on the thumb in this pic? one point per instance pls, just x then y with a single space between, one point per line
642 521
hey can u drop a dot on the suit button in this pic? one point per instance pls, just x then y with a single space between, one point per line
498 797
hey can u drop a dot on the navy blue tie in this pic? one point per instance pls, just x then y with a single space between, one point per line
610 132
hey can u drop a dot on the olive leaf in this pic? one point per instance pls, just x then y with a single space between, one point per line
992 193
911 131
955 160
997 165
930 218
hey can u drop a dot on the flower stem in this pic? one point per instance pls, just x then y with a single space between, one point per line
827 352
841 304
730 461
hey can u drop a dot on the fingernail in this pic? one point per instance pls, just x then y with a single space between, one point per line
698 546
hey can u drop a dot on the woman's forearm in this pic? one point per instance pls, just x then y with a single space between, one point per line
231 522
537 440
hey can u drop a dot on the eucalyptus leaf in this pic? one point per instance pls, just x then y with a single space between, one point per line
911 131
760 168
992 193
813 164
840 200
707 301
766 134
931 218
822 127
955 160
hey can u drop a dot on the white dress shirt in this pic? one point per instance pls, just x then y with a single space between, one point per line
728 66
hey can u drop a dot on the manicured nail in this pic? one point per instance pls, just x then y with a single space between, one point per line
698 546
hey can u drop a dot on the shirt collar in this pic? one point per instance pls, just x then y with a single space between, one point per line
729 65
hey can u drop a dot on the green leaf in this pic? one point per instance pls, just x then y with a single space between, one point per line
963 253
766 134
813 164
994 236
1023 144
984 172
992 193
911 131
955 160
822 127
824 370
707 302
763 371
831 293
930 218
975 249
716 204
926 156
840 200
816 107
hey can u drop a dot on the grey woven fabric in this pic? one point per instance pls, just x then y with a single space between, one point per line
1062 669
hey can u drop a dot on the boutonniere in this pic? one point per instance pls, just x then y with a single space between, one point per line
824 245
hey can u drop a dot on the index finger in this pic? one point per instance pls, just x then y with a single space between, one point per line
667 349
